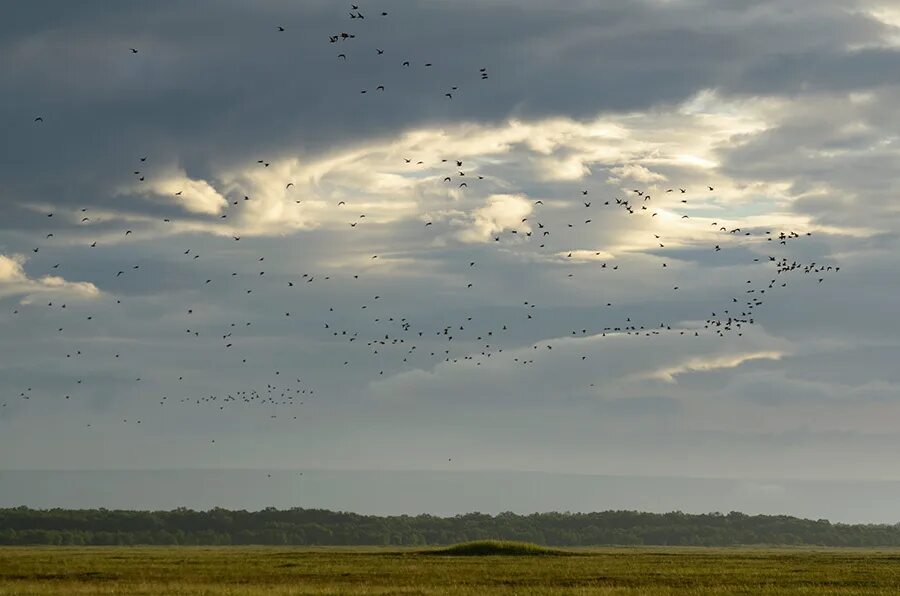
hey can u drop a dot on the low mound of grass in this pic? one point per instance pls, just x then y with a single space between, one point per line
487 548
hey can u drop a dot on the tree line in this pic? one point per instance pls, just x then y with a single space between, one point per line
25 526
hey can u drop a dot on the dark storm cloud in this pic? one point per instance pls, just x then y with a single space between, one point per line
223 86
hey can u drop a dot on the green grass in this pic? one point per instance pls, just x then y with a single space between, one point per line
271 571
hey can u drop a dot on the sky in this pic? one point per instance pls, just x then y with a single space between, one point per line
447 492
217 252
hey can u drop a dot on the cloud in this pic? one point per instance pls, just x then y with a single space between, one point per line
15 282
638 173
613 365
706 364
888 14
583 255
499 213
195 196
374 179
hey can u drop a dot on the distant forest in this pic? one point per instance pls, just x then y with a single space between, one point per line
24 526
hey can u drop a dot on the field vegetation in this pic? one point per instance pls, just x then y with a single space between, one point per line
484 568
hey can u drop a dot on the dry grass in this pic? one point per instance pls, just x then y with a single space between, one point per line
280 571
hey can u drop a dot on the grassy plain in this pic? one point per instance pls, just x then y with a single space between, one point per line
272 571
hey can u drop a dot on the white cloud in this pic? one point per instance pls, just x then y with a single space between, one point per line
500 213
330 191
887 13
655 150
710 363
635 172
14 282
194 196
584 256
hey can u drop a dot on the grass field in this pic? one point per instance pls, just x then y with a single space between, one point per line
277 571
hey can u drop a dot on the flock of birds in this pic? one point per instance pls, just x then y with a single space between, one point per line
387 341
